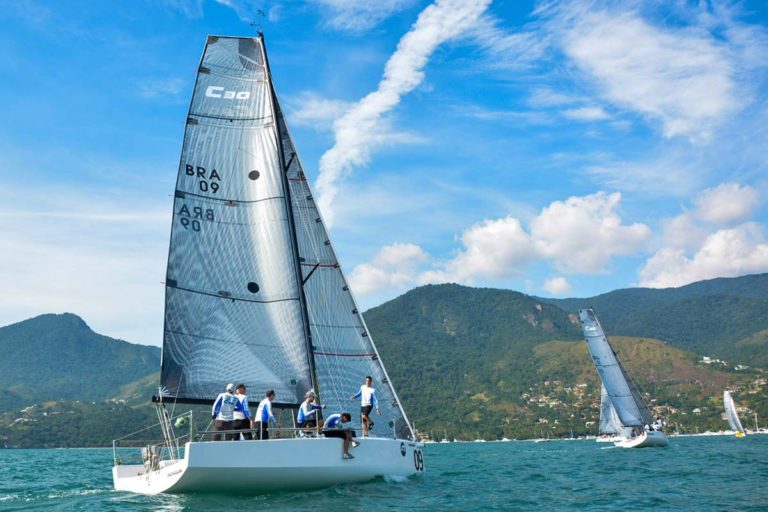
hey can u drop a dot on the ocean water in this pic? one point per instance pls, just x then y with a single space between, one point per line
693 473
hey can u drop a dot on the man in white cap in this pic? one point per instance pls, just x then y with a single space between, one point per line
308 415
223 413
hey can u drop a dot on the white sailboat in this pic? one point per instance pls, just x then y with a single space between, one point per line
732 415
633 422
255 294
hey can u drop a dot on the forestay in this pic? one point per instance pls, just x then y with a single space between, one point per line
626 401
233 300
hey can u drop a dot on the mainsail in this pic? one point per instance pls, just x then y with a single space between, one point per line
730 412
623 395
254 291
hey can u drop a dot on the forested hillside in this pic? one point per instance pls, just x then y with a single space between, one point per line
465 361
58 357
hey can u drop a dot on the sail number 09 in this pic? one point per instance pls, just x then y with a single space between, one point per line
418 460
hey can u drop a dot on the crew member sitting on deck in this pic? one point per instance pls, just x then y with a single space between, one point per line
308 413
264 416
340 425
223 413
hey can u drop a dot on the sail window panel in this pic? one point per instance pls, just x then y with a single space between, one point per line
216 341
216 162
215 247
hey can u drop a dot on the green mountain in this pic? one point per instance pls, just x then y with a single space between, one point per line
493 363
718 317
466 361
58 357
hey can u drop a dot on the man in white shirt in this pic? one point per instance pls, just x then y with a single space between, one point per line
242 414
223 413
308 415
264 416
368 401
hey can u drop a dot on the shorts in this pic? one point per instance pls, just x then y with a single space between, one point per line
340 433
366 410
308 424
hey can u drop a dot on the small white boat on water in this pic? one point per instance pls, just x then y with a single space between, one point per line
254 293
732 415
625 418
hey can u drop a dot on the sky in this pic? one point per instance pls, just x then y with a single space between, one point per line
560 149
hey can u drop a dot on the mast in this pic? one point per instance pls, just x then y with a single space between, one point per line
292 224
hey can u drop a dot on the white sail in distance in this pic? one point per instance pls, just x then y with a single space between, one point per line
730 413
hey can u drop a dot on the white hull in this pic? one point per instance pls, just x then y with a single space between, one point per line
251 467
647 439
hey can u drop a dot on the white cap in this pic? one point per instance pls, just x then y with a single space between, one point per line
230 387
310 393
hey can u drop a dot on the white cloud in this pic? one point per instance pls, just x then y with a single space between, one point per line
509 50
683 232
578 235
705 242
82 252
394 266
359 16
246 10
727 203
682 77
162 88
557 286
492 249
582 234
725 253
547 97
357 132
311 110
586 114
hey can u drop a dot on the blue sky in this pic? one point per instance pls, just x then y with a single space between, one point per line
555 148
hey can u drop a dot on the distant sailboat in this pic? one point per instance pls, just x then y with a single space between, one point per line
622 409
733 417
255 294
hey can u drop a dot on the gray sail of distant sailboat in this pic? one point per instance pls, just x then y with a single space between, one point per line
254 291
609 420
623 395
731 414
